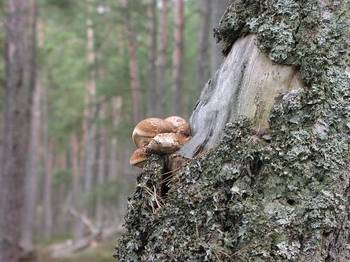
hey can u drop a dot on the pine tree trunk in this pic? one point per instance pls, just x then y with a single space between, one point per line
19 85
90 107
34 163
162 59
76 187
152 69
177 58
203 57
48 213
134 80
101 169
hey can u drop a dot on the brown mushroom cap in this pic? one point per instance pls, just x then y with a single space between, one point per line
149 128
139 157
167 143
180 124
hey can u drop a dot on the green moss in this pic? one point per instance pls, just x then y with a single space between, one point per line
283 200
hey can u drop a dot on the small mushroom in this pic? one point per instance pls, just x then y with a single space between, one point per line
139 157
180 124
149 128
167 143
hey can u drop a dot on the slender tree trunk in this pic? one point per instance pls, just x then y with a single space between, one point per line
177 58
76 186
218 7
162 59
34 167
203 58
19 85
90 109
48 215
101 170
153 45
117 103
133 64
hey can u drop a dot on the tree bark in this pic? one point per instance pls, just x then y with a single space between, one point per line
177 58
19 85
203 57
162 59
267 176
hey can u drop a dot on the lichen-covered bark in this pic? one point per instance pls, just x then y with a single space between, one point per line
286 199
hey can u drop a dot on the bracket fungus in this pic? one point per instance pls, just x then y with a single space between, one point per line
159 136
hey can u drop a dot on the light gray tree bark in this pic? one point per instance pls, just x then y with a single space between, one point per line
20 66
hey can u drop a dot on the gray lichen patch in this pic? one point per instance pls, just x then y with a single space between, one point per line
286 199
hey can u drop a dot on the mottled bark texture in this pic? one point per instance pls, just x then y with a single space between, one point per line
282 197
19 86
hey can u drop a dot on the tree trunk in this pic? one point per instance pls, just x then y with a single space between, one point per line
133 65
218 7
177 58
203 57
266 174
48 215
162 59
90 107
19 85
117 103
33 168
101 169
76 187
34 163
152 69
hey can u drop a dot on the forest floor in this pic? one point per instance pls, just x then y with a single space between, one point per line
102 253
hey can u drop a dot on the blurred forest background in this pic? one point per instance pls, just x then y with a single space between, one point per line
103 65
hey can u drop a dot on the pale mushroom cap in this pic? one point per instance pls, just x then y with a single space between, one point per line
149 128
167 143
139 157
180 124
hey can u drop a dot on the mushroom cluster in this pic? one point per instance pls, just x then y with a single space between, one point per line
160 136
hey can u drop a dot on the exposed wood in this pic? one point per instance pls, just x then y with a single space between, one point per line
262 80
19 85
177 58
